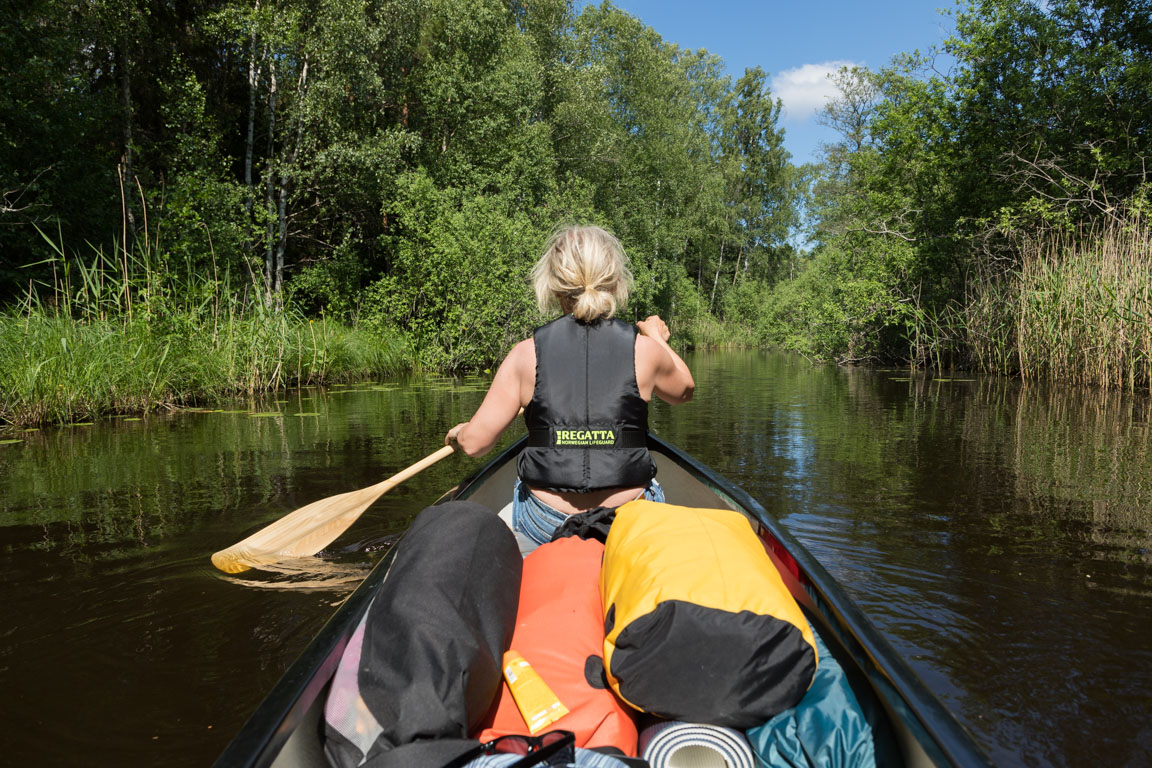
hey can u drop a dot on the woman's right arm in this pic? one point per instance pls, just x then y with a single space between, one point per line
511 389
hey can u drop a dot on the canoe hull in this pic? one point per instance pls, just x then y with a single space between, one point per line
285 731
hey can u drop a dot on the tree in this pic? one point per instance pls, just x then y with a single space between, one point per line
761 182
1056 97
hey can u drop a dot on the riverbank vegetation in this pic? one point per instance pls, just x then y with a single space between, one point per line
118 336
987 207
244 194
388 166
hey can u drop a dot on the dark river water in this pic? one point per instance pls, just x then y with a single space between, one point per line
998 533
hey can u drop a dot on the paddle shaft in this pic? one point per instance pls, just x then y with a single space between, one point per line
415 469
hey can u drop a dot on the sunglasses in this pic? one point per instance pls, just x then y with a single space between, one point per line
555 748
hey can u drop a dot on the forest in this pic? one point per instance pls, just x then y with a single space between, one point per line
216 197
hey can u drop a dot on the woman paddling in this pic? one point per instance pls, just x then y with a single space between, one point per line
584 381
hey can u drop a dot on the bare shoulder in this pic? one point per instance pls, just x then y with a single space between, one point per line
520 365
660 371
649 359
650 355
523 356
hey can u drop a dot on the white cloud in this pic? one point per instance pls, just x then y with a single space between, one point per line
805 89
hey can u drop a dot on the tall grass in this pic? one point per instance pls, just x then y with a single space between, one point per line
124 333
990 321
1078 309
1084 309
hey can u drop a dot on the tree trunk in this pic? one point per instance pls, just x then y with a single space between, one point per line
736 271
126 128
269 184
404 98
253 81
716 279
282 212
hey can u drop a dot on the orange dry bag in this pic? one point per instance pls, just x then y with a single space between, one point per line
560 631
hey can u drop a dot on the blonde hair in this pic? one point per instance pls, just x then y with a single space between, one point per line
583 270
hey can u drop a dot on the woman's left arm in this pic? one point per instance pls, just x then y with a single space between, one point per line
509 392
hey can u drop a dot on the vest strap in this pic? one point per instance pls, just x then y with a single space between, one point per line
586 437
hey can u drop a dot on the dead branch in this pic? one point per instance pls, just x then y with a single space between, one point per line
12 197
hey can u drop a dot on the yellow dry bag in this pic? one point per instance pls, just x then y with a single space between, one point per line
699 624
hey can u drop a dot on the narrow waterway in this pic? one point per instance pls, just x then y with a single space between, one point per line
997 533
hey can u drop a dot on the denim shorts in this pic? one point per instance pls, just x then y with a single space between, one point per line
537 521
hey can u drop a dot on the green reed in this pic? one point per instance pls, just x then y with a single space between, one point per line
1078 309
126 332
1084 307
990 321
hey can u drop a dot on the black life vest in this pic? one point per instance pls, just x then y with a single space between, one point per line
587 423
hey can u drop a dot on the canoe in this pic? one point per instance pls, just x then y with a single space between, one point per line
285 731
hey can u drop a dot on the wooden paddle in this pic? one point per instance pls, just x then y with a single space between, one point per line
309 529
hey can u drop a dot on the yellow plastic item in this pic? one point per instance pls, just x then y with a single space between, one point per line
538 705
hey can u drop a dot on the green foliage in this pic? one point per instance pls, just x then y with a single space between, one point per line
687 311
331 287
85 355
842 306
458 282
1056 95
928 207
202 223
761 183
394 165
687 169
743 307
55 115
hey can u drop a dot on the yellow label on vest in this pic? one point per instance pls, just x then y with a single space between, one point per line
583 437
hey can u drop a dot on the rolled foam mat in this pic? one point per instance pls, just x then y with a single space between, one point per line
673 744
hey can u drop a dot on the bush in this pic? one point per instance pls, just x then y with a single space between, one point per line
841 308
458 286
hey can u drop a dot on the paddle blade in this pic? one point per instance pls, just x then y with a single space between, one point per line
309 529
299 534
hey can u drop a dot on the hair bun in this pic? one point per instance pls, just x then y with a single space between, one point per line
585 271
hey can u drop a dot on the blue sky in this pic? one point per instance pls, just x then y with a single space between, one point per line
797 44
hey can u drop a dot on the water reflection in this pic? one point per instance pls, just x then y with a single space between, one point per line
999 534
121 644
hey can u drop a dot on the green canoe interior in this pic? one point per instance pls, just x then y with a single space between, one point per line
285 730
